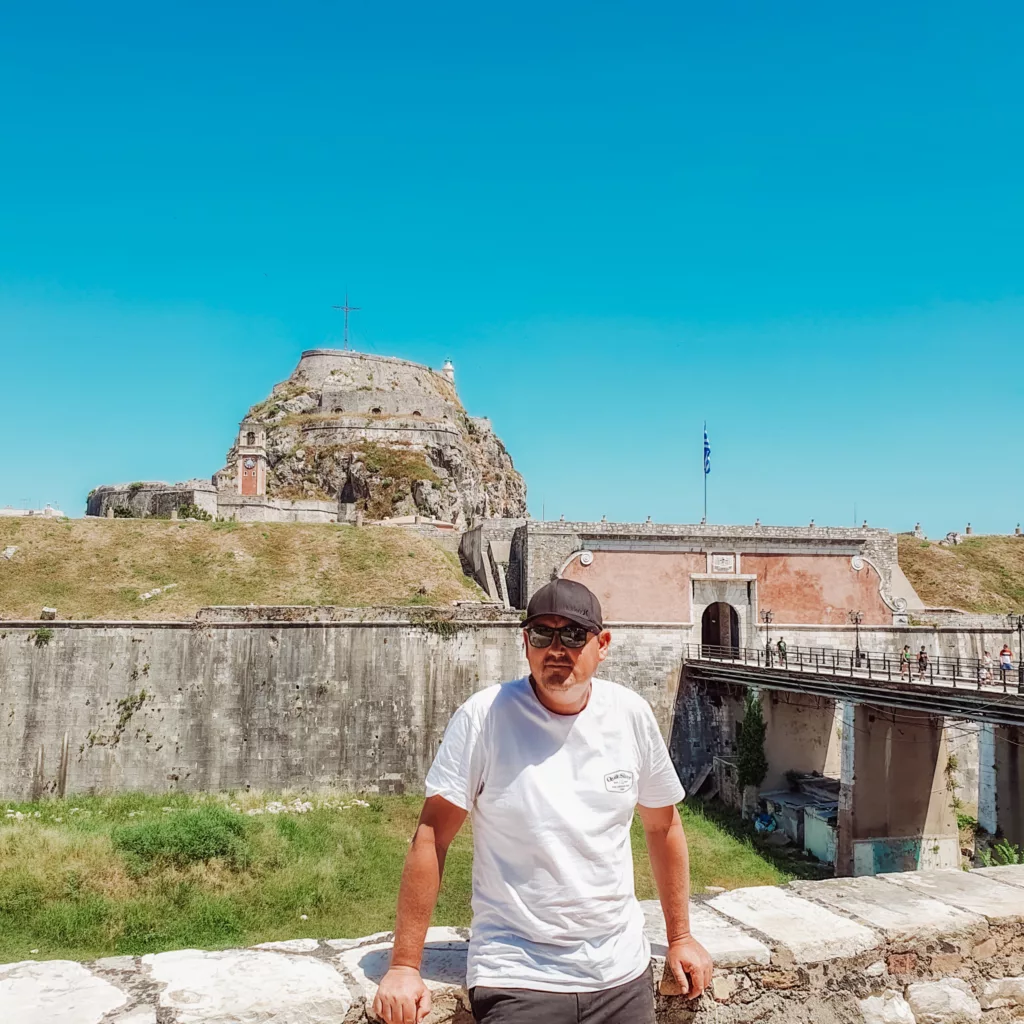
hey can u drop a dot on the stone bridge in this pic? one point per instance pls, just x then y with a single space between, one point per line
883 733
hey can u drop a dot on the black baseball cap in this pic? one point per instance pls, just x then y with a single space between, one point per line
567 598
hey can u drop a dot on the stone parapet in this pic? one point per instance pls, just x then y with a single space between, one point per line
463 614
260 509
934 948
152 498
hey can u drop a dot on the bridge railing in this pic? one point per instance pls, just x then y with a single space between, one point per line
945 670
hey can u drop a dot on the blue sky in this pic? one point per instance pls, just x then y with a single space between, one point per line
800 222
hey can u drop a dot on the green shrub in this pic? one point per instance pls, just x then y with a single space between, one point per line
966 822
41 636
186 837
753 765
192 511
124 512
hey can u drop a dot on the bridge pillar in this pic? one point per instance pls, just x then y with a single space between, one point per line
896 807
1008 759
802 735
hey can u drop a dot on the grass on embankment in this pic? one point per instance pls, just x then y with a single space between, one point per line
133 874
96 569
981 574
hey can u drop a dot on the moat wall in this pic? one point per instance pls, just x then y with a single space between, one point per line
355 699
357 705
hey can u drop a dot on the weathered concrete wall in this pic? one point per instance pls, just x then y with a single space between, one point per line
901 806
275 510
217 706
802 735
939 948
356 703
1009 782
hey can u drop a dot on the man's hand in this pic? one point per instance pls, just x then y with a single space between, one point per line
688 963
402 997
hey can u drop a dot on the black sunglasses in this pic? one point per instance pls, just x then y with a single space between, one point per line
570 636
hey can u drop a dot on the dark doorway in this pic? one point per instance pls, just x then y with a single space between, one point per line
720 627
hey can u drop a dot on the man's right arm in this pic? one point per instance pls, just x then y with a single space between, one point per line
402 997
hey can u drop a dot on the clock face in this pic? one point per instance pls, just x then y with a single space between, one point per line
249 463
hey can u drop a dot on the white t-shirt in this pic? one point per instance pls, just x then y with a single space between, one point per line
552 800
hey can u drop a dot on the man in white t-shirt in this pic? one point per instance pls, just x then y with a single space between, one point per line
552 767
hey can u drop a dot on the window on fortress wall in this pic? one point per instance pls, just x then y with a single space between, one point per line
250 438
375 410
416 412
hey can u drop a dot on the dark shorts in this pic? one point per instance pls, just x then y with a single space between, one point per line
632 1003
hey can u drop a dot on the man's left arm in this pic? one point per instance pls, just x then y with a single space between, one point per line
687 960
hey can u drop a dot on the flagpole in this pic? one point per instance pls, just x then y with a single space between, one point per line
704 470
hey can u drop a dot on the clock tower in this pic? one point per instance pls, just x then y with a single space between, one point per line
252 459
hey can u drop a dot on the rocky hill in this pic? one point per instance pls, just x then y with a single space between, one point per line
387 435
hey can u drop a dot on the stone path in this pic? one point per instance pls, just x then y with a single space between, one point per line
936 948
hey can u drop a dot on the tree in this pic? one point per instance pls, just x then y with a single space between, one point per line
753 765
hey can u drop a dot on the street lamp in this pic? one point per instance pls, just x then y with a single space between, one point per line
857 618
1016 621
766 618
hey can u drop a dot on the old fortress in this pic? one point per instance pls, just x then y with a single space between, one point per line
321 447
358 698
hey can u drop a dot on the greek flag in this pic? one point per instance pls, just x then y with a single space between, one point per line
707 452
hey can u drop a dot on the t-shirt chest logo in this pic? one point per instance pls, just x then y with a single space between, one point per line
618 782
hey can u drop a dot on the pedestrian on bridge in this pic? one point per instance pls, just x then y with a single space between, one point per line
552 767
985 671
1005 662
905 662
781 645
922 664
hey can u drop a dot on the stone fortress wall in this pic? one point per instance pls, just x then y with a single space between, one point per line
941 947
351 699
304 448
152 498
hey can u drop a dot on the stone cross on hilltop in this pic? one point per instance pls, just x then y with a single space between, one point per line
346 309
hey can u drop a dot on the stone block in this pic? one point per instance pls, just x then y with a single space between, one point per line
115 963
728 945
291 946
899 914
1002 992
976 893
725 986
140 1015
887 1008
875 970
902 964
779 979
367 940
248 985
985 950
443 968
810 932
55 992
949 1001
946 963
1012 874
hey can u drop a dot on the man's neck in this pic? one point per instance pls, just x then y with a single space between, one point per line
575 701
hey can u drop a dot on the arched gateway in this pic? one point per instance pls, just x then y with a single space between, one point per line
720 626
